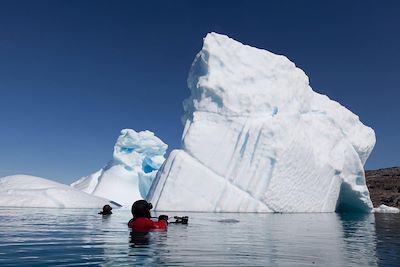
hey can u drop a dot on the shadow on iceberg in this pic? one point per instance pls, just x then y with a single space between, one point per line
350 201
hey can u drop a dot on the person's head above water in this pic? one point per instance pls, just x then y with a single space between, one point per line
106 210
141 208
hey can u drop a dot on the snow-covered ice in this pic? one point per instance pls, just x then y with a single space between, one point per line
32 191
257 138
386 209
128 176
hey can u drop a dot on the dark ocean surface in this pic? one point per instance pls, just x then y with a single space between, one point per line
74 237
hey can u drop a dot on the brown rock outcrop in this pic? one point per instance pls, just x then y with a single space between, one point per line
384 186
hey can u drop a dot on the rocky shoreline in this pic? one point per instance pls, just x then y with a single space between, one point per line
384 186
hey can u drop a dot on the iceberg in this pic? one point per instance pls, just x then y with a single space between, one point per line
32 191
257 138
386 209
128 176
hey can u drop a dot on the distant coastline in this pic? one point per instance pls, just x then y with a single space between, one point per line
384 186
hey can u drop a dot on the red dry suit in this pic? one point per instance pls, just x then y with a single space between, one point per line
143 224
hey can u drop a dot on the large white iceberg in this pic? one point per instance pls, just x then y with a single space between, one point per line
32 191
257 138
128 176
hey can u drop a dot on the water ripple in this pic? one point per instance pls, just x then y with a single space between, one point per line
82 238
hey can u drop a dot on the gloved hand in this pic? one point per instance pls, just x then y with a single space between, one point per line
163 217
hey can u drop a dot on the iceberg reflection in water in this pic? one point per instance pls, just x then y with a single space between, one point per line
73 237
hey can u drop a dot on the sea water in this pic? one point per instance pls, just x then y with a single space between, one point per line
74 237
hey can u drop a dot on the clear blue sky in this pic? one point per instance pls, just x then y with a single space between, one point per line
74 73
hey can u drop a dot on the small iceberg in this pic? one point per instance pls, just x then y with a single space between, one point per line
386 209
30 191
128 176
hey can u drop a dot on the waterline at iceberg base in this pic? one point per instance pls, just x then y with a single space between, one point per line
257 138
